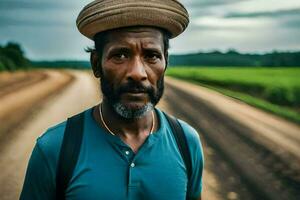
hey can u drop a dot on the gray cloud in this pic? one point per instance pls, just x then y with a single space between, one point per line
293 23
278 13
7 21
196 27
210 3
34 5
47 27
198 8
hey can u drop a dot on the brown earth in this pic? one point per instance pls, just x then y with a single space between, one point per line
21 91
234 135
255 155
37 107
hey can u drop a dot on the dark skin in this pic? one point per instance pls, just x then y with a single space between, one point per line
131 54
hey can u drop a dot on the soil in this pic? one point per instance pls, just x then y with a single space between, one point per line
244 148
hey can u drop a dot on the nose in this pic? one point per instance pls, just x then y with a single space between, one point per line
136 70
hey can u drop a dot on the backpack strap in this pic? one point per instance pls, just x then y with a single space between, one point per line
71 144
182 144
69 153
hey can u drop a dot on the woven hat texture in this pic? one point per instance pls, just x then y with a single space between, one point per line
103 15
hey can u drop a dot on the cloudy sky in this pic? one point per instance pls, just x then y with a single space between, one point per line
46 29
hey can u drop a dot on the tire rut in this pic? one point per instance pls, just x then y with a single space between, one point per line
262 172
17 83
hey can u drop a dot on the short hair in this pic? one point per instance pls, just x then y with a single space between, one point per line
101 39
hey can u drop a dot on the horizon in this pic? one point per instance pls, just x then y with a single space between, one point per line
46 29
184 54
187 54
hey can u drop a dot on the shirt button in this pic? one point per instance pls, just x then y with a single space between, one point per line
127 152
132 165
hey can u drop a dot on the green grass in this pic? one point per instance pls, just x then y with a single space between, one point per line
276 90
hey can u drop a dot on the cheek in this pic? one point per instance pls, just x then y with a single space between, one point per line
113 73
156 74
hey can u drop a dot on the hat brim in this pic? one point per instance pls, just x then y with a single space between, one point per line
100 16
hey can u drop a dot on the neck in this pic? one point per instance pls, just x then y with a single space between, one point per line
126 128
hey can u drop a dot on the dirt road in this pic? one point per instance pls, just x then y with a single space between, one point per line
245 148
260 150
15 151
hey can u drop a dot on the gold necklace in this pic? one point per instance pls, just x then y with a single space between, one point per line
103 122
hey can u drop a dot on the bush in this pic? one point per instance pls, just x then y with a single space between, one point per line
279 95
2 67
12 57
296 96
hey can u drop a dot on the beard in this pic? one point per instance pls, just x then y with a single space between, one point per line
113 96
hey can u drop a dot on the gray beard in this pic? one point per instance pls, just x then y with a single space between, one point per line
130 113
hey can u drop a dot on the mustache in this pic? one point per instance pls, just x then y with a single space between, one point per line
134 87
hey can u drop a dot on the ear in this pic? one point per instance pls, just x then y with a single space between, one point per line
96 64
167 60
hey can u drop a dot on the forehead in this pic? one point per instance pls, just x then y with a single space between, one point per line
146 36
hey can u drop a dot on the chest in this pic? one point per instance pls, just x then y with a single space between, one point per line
115 172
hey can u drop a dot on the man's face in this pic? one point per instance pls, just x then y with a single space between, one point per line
133 66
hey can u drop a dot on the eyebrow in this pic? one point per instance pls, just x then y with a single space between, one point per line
118 49
127 49
158 50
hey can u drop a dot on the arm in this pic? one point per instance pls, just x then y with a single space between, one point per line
39 183
195 148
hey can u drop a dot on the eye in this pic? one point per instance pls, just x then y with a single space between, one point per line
153 57
119 57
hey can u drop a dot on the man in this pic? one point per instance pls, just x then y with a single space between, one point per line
128 149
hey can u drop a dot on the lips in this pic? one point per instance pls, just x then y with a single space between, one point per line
135 95
135 91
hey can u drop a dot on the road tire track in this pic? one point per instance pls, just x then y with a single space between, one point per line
15 82
264 173
16 106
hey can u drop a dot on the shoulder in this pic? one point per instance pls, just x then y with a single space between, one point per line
191 135
193 138
190 132
53 136
49 143
194 145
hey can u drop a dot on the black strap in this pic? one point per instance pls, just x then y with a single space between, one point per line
69 154
182 144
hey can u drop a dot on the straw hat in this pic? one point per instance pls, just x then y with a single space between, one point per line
103 15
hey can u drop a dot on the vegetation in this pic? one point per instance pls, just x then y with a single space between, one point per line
12 57
62 64
274 89
233 58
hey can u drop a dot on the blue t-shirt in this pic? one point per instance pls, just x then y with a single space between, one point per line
107 168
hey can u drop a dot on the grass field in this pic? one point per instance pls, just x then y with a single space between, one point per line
276 90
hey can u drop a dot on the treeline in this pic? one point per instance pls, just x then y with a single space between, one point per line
233 58
12 57
62 64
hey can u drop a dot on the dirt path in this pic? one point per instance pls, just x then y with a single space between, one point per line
83 93
11 82
21 93
258 150
203 108
278 135
15 152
